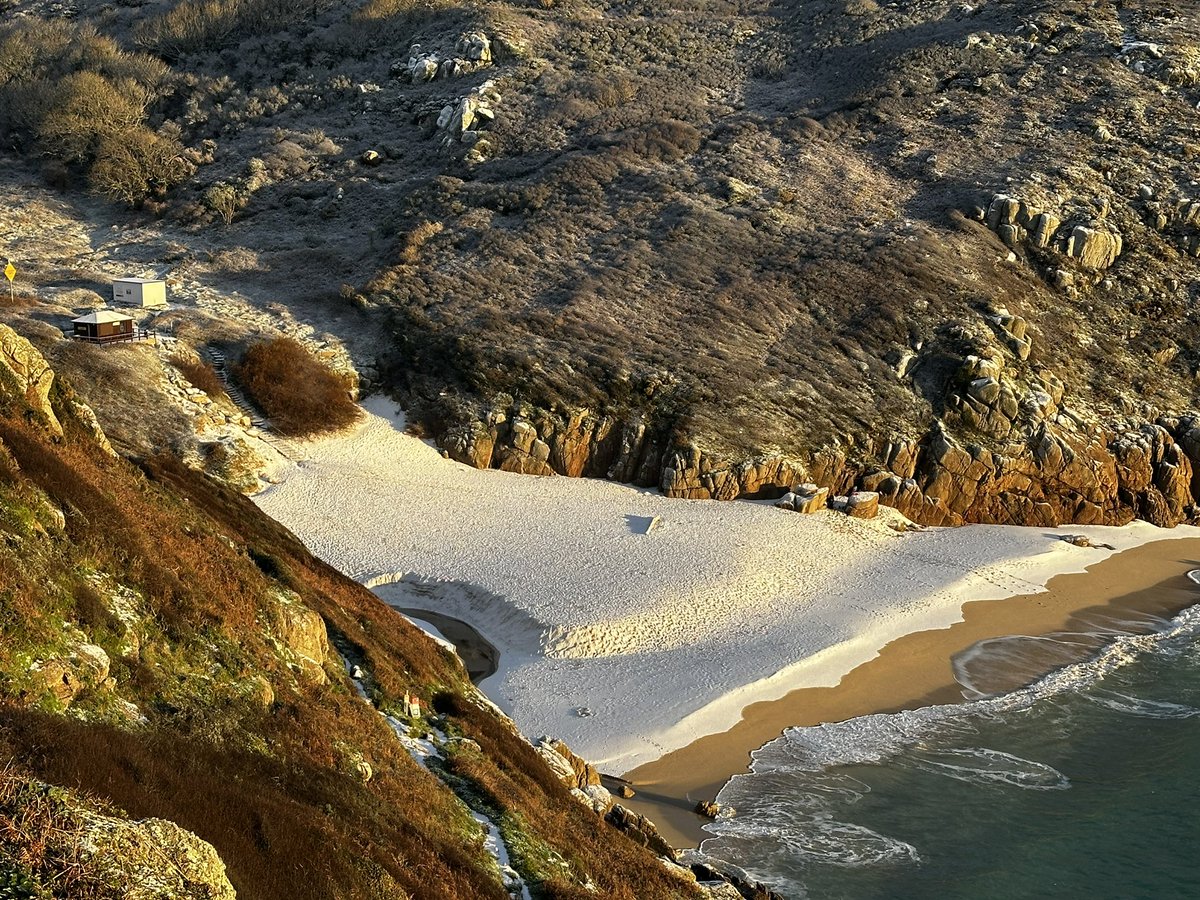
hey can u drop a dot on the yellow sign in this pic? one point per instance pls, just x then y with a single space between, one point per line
10 271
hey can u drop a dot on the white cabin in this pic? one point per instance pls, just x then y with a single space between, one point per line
145 292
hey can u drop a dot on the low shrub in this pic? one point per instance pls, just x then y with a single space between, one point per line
85 102
301 396
200 374
196 26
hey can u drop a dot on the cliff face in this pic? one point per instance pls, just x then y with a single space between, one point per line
943 252
714 247
178 716
1061 472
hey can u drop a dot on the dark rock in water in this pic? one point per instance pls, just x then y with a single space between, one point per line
618 787
749 890
640 830
710 809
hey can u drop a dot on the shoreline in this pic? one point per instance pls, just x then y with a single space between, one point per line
628 643
1147 583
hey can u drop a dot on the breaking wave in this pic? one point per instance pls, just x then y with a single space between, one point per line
793 804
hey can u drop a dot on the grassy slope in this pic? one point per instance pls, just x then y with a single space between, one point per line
272 787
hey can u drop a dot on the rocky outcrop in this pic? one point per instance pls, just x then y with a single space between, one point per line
1052 477
573 770
640 830
576 773
65 676
466 121
1177 219
1006 446
1093 243
579 443
87 417
21 361
695 475
727 881
710 809
862 504
472 52
152 858
302 633
1046 469
805 498
86 851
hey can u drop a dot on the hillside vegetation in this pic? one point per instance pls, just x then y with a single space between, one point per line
301 396
715 245
169 653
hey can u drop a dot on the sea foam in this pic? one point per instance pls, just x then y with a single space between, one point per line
791 805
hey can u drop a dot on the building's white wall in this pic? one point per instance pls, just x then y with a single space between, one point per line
127 293
154 294
132 293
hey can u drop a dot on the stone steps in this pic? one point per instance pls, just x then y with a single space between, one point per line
258 422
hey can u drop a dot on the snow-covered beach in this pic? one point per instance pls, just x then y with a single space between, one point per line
627 642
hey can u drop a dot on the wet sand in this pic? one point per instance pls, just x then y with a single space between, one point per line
477 653
917 670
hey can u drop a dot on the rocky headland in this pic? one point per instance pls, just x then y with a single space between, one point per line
946 253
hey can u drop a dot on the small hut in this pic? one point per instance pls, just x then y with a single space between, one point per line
145 292
104 327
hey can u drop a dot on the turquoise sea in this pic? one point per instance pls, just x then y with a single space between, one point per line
1083 784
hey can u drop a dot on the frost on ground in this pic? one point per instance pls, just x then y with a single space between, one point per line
426 744
664 636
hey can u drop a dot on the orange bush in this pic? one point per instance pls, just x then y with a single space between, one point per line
300 395
200 374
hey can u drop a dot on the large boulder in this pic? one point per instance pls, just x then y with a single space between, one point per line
302 632
1095 246
810 498
640 830
151 859
475 47
105 856
863 504
423 67
34 377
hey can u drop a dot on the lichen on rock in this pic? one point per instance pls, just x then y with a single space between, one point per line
55 837
33 375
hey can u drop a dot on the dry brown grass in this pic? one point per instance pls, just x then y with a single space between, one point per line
194 26
33 821
295 829
298 393
200 374
262 812
507 775
267 786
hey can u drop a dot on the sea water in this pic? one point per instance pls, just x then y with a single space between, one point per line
1083 784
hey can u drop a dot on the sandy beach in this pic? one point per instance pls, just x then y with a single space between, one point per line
632 644
1138 587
